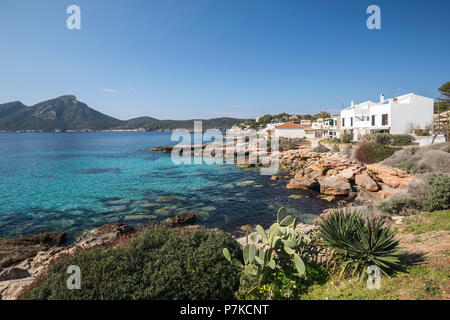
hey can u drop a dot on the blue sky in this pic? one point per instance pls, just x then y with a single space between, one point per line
210 58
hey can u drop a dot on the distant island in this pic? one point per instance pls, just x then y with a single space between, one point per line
67 114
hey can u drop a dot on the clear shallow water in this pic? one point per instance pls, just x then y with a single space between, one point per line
76 181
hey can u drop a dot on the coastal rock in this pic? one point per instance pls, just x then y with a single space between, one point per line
10 290
167 199
365 181
184 218
346 174
394 178
247 227
13 274
13 251
115 227
302 184
245 183
334 186
305 228
319 169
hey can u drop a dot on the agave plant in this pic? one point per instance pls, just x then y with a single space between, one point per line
276 249
355 243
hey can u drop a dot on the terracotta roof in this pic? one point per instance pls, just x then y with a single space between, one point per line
289 125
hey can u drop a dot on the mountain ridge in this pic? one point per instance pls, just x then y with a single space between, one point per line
66 113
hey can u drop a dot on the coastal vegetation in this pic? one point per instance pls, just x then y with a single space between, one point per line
356 242
371 152
160 263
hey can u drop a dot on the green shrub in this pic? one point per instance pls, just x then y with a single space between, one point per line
159 264
370 152
401 139
320 149
439 196
347 137
356 243
335 148
383 138
398 206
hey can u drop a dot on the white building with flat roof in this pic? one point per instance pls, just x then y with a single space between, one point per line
388 115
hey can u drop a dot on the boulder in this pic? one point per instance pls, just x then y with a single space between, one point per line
394 178
13 274
334 186
346 174
118 228
302 183
13 251
318 168
184 218
10 290
365 181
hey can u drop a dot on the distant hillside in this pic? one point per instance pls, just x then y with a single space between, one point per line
67 113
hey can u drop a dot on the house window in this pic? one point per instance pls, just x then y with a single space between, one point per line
384 120
343 122
351 122
373 120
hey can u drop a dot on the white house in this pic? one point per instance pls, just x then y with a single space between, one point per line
328 127
290 130
389 116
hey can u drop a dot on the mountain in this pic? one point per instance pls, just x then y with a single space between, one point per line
67 113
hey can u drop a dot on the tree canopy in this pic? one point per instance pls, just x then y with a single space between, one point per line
444 99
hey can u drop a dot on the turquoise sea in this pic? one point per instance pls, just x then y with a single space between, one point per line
73 182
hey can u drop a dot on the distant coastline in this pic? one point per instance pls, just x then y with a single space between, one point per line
67 114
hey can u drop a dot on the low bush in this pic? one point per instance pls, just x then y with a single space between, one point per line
320 149
399 206
159 264
401 139
383 138
391 139
434 158
439 196
335 148
347 137
356 243
370 152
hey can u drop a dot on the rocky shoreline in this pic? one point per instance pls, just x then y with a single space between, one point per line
330 176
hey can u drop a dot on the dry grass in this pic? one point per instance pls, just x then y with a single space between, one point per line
434 158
